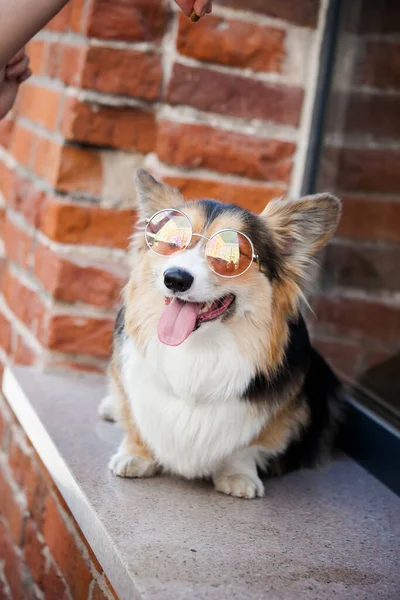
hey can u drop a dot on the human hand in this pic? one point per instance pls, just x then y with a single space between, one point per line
200 7
13 74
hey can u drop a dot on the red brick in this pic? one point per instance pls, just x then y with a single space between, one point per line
47 158
4 593
32 593
6 129
378 17
72 63
361 110
65 552
54 59
21 195
125 128
68 168
97 593
18 243
7 182
80 170
33 552
5 427
5 334
2 219
252 197
28 200
381 67
39 104
235 95
133 20
372 170
37 51
61 21
343 355
76 17
36 489
13 566
19 462
233 43
21 145
121 71
87 224
78 280
359 266
375 356
25 303
65 62
80 335
357 318
53 586
23 354
302 13
10 509
225 151
3 266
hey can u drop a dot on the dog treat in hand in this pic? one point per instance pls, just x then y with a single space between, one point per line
193 17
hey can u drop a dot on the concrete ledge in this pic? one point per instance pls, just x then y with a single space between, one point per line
331 534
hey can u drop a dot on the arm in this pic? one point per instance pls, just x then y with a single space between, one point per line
20 20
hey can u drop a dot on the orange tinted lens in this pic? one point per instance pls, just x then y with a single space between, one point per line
168 231
229 253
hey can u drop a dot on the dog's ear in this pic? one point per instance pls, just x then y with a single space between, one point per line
302 227
153 195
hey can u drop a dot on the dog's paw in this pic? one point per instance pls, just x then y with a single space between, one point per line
128 465
240 486
107 410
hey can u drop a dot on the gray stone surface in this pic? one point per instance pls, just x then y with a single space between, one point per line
316 535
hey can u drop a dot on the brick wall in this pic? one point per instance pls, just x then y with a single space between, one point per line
43 553
358 309
218 108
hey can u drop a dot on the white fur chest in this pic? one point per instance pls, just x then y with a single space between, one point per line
186 400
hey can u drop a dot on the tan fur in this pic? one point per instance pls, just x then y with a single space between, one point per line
300 229
157 194
225 220
284 426
142 309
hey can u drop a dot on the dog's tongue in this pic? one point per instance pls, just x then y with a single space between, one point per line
177 322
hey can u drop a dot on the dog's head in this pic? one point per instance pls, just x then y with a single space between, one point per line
187 275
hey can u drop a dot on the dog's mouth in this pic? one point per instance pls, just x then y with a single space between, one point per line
179 318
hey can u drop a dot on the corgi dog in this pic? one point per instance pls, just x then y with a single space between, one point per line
212 373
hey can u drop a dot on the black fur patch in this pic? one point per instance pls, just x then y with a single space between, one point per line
119 327
295 363
254 228
321 390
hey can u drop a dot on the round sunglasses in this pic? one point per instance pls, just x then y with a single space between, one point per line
229 253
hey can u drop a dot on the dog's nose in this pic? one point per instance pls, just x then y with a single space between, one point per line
177 280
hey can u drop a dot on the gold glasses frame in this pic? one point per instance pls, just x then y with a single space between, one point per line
254 257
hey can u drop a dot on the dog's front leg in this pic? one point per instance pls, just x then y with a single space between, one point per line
237 475
133 458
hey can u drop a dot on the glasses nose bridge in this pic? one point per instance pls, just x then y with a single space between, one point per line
200 235
203 237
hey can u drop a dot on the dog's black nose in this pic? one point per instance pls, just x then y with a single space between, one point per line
177 280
